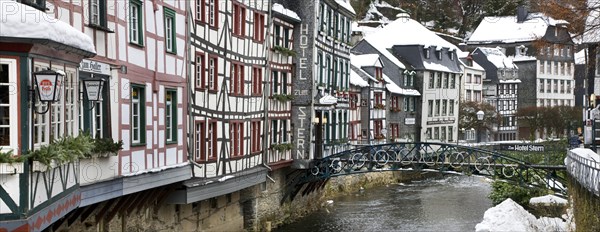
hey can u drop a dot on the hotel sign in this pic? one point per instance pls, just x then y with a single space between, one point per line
521 147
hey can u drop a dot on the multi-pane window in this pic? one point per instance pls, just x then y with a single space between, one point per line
450 130
322 17
377 126
430 108
98 13
213 70
201 11
378 98
213 13
237 138
542 66
477 79
446 80
8 104
409 80
394 103
444 107
409 104
451 107
259 27
562 86
436 133
170 32
437 107
453 81
200 73
171 115
555 68
428 134
379 73
255 136
239 19
275 83
329 22
468 80
431 80
426 53
200 141
136 33
541 86
568 86
257 80
548 86
211 140
555 86
468 95
394 130
138 115
443 133
438 80
237 79
353 98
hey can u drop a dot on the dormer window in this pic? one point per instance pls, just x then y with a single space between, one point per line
451 54
426 53
439 55
378 74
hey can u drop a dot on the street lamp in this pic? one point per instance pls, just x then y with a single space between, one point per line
480 115
93 89
47 84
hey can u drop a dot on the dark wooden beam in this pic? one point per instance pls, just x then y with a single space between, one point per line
88 211
139 202
104 210
112 213
163 197
72 217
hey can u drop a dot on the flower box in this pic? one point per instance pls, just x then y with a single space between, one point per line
38 166
11 168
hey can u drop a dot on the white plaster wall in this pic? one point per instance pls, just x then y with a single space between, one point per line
171 156
170 65
149 17
125 136
161 59
10 183
161 159
137 161
125 114
136 56
151 43
100 44
122 42
77 21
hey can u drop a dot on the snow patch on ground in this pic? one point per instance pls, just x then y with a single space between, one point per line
548 200
510 216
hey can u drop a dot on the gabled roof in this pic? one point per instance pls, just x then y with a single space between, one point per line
366 60
506 29
406 31
496 57
355 79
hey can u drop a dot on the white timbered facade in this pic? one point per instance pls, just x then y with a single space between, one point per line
229 46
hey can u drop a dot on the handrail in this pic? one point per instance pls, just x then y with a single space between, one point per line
585 171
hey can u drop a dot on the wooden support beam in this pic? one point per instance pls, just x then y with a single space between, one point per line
139 202
163 196
130 203
72 217
112 213
104 210
88 211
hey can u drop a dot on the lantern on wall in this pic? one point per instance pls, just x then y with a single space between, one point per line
48 83
93 89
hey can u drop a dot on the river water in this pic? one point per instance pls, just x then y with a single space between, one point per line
452 203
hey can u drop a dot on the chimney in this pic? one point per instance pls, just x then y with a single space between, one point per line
521 14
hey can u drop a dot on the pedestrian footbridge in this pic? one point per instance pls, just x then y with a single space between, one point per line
435 157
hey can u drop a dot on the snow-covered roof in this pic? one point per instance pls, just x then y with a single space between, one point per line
22 21
580 56
355 79
384 38
437 67
346 4
284 11
366 60
508 30
365 30
497 57
392 87
416 34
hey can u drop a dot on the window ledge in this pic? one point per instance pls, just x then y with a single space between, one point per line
136 44
137 144
101 28
171 52
171 142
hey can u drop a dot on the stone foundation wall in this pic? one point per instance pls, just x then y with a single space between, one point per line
258 208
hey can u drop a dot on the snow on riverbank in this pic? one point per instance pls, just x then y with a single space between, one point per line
510 216
548 200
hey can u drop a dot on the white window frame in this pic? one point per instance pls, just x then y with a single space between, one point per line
12 106
134 23
135 103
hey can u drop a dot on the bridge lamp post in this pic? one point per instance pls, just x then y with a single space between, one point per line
480 115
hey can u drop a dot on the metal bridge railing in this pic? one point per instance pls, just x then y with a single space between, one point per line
585 171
